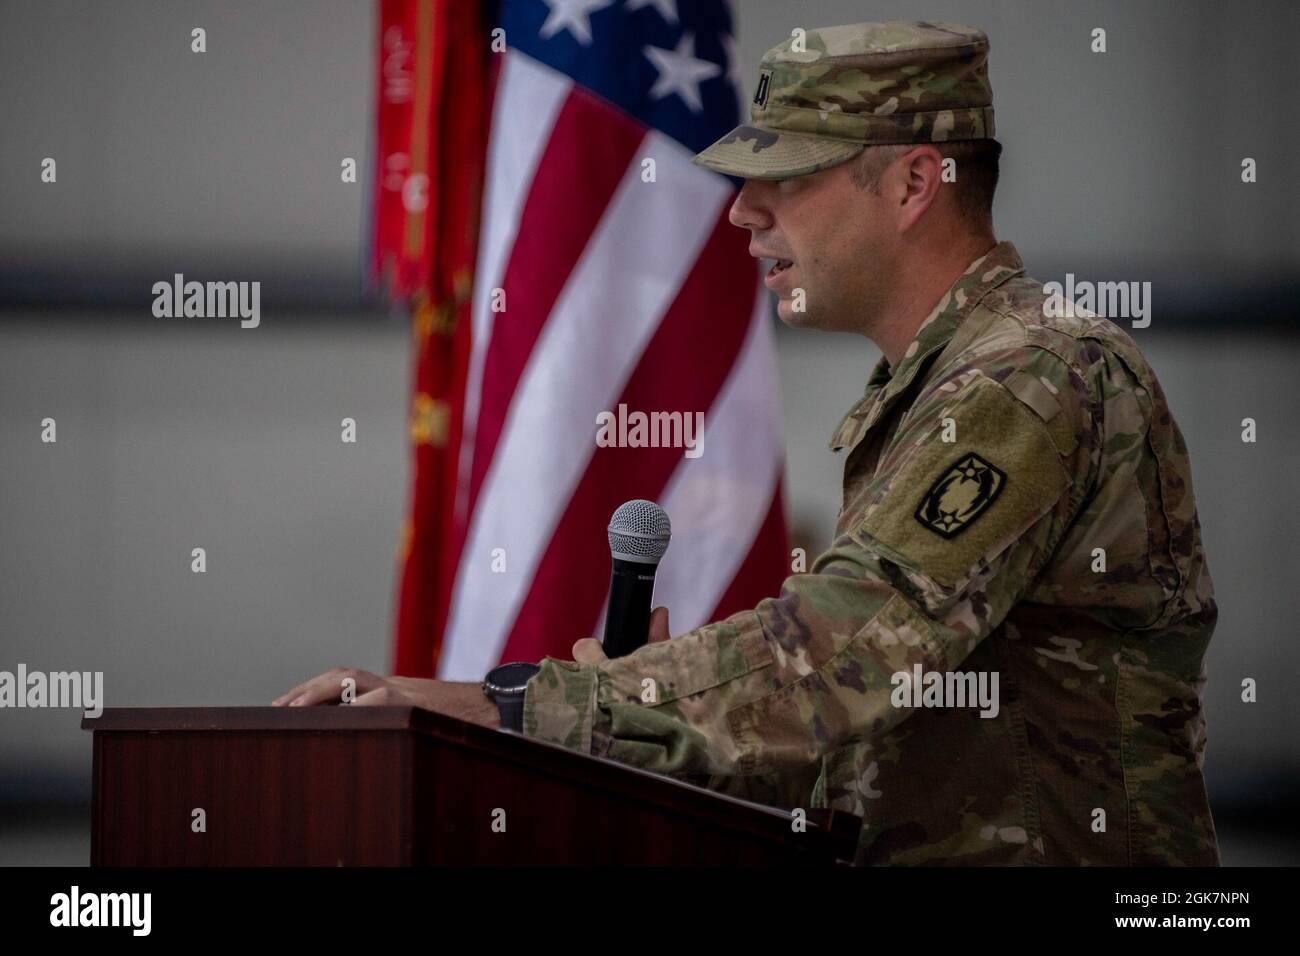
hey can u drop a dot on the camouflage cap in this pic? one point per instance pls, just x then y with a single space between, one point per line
865 84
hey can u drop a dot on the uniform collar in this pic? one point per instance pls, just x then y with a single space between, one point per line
990 270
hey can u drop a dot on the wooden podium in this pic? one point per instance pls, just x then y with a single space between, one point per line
400 786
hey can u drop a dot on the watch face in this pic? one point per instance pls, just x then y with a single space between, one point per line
512 675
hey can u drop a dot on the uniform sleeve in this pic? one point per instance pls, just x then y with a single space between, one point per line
968 501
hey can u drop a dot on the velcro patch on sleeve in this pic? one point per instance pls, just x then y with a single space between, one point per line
953 503
1041 395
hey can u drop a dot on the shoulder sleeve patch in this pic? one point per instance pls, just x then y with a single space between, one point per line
953 503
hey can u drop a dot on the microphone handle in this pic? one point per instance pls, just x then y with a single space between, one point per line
627 621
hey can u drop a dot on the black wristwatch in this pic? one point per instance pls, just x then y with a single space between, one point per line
505 686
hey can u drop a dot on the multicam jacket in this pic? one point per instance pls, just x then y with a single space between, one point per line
1017 507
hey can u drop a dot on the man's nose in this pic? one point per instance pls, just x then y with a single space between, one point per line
748 210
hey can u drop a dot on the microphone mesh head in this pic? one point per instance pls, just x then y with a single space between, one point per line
639 531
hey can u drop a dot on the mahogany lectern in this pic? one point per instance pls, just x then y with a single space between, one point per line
396 786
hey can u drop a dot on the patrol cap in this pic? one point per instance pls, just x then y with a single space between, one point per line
864 84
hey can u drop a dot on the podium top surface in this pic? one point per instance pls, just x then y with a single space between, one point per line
268 718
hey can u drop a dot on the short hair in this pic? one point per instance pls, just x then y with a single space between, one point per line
977 173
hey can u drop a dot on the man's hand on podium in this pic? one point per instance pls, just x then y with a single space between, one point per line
348 685
590 651
464 701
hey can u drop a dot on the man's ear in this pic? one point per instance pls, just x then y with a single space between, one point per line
921 173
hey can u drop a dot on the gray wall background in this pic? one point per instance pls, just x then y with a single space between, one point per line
176 434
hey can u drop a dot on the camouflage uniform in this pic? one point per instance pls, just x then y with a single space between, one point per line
1018 501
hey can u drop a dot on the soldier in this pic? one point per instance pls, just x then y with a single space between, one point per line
999 658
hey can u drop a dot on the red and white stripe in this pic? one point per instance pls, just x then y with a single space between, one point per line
617 291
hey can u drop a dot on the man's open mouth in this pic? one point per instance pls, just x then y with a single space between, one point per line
779 266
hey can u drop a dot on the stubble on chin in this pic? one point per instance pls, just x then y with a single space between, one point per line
785 312
807 318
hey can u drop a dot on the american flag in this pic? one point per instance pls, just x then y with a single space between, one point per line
608 275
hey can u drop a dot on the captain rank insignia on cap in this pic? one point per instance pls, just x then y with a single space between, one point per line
960 495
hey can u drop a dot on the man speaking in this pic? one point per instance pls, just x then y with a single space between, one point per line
999 658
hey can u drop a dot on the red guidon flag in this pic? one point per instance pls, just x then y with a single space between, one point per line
612 344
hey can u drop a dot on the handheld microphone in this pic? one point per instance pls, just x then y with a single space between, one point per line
638 537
